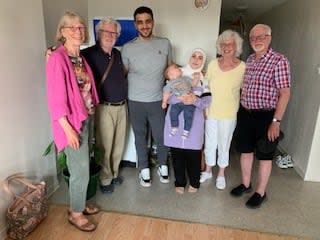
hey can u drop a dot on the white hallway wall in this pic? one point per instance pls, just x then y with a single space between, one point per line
296 33
24 122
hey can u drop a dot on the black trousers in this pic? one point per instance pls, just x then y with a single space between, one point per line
186 161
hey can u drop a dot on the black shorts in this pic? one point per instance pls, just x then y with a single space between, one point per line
251 133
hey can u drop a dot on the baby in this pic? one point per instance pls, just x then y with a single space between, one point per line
179 85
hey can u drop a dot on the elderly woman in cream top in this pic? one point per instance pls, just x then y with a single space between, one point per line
225 76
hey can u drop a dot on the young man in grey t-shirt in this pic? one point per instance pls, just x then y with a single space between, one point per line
145 58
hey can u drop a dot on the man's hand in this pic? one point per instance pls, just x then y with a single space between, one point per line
274 128
273 131
164 105
49 51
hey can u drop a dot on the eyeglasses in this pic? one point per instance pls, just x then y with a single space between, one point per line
74 29
259 38
108 33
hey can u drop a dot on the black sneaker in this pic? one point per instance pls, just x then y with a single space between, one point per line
256 200
117 181
106 188
240 190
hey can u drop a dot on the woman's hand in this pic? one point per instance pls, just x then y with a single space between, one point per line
196 78
188 99
73 138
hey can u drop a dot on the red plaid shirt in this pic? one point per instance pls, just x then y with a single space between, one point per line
263 80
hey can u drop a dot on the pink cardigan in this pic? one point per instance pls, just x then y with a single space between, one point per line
64 97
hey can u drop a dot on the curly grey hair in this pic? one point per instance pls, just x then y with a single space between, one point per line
227 35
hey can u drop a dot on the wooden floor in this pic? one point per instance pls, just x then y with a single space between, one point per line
115 226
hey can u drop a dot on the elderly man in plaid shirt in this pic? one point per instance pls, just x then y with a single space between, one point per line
264 98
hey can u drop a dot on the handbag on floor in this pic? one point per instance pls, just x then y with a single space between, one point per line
27 209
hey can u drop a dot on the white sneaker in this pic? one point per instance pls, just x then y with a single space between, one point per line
173 132
221 182
163 173
185 134
278 159
144 176
285 162
205 176
282 164
289 161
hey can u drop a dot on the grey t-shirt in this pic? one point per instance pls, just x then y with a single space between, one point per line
146 61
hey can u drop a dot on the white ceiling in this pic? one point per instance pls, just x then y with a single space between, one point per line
248 9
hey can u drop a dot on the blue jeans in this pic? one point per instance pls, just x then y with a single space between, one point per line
188 112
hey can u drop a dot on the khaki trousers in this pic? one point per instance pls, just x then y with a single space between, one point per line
111 128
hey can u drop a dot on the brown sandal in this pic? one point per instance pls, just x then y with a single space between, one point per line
82 223
180 190
90 210
192 189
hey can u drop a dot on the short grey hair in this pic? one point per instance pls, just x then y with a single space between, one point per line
107 20
265 26
229 35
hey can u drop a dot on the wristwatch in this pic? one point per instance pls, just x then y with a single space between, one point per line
276 120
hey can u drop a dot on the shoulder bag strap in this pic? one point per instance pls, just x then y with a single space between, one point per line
104 77
18 178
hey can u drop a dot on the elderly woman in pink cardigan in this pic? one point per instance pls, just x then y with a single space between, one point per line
72 98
